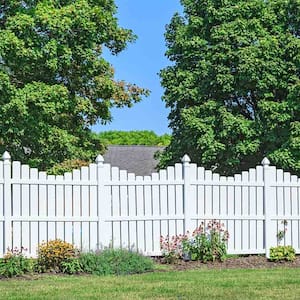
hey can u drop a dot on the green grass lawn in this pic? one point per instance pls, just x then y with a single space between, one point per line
195 284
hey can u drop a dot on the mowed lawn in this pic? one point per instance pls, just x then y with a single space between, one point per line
195 284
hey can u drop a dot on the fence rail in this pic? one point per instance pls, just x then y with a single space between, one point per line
100 205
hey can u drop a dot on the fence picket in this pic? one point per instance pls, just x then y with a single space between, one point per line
34 209
2 208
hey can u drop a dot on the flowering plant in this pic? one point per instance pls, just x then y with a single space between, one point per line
172 248
15 263
206 243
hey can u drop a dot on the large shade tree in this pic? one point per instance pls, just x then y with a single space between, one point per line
233 86
54 81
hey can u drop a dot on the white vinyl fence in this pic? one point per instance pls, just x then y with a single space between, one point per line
100 205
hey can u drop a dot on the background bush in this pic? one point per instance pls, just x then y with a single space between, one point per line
115 261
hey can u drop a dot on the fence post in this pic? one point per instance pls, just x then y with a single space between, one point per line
269 175
7 201
103 204
186 192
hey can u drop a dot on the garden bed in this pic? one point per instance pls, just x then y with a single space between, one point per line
234 262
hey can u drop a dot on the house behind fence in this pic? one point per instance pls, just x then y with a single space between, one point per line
100 205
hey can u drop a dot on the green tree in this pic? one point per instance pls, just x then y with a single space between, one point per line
134 137
233 87
54 81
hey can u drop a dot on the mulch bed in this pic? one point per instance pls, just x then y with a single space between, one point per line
239 262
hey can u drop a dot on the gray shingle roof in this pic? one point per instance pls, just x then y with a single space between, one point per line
134 159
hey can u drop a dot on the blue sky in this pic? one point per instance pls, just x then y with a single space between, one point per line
141 62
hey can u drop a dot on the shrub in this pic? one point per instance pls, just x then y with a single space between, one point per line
281 253
14 263
53 253
115 261
205 244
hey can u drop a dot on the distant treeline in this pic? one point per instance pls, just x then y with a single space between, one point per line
138 137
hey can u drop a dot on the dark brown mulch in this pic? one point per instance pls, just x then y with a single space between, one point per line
239 262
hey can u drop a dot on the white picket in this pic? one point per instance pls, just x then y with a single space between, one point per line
132 212
163 203
115 176
68 209
171 201
124 238
93 207
59 206
148 213
252 211
179 200
85 210
245 212
43 234
200 207
230 222
2 250
76 196
25 228
34 210
156 211
238 212
140 203
16 208
260 210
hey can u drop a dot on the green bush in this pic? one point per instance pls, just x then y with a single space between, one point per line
281 253
115 261
14 263
53 253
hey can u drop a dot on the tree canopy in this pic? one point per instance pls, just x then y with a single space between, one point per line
233 86
134 137
54 81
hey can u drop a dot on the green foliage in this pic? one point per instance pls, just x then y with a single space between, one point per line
14 263
233 87
207 243
281 253
56 255
140 137
115 261
71 266
67 166
54 81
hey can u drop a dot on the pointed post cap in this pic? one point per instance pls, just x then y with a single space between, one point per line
6 156
99 159
186 159
265 162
